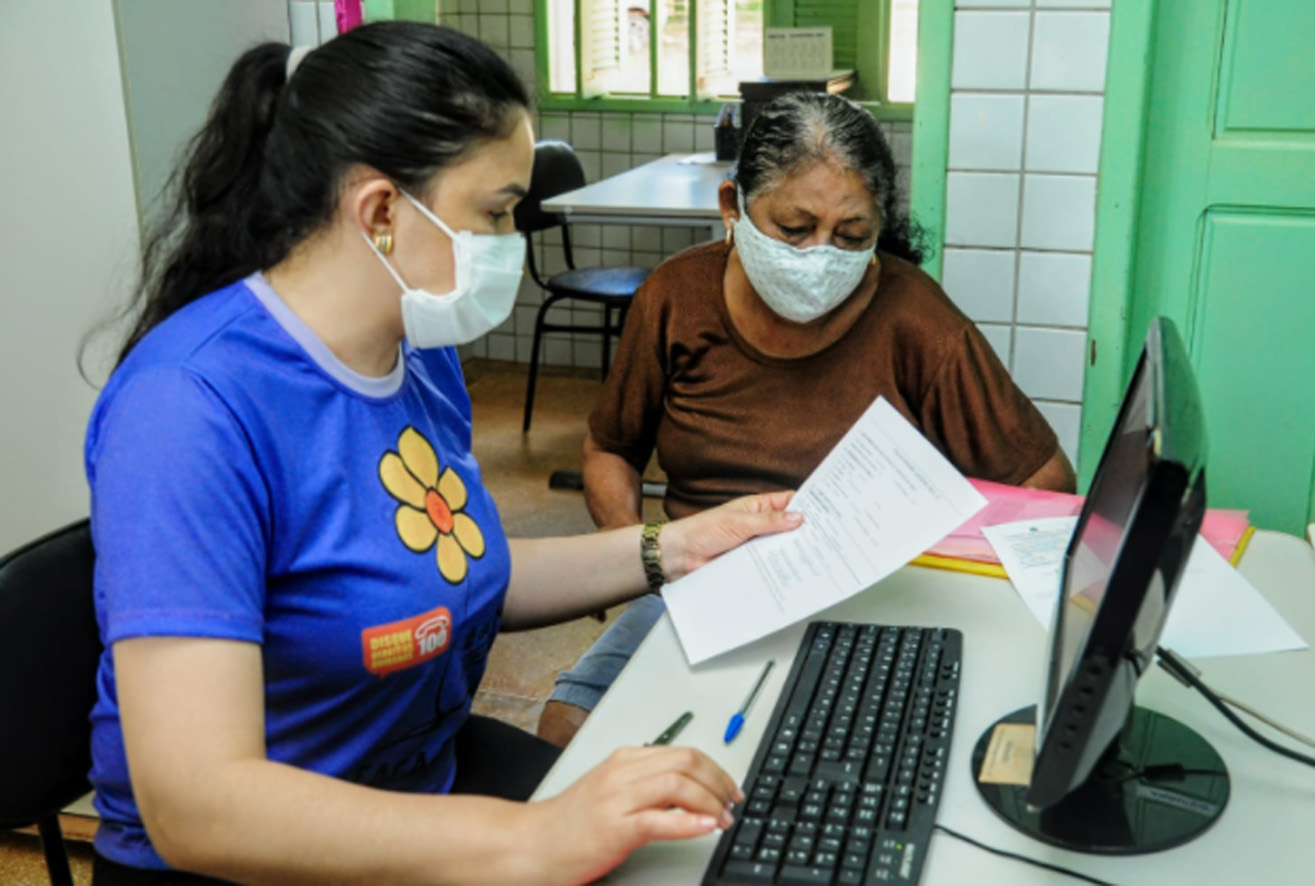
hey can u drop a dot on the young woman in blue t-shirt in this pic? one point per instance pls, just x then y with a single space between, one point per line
299 571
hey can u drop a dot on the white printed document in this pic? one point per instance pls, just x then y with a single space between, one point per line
880 498
1215 610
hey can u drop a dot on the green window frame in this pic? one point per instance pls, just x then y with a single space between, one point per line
848 18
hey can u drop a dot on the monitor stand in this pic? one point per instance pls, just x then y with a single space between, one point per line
1159 785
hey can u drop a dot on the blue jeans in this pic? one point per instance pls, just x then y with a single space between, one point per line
584 684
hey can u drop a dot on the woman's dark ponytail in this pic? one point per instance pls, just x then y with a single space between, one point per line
262 175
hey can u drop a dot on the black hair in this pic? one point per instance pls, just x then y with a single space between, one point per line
264 172
796 130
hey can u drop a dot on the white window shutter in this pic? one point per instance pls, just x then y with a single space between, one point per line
716 47
602 27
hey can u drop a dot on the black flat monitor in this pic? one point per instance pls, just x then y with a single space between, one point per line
1110 777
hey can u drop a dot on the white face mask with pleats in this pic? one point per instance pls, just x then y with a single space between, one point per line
797 284
488 271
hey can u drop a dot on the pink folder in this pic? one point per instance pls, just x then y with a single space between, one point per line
1223 529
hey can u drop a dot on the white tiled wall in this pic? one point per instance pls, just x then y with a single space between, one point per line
1027 88
607 143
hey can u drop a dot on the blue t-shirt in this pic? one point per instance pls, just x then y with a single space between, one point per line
247 485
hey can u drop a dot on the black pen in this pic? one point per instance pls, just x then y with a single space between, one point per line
673 730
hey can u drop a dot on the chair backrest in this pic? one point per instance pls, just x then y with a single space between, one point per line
49 651
556 171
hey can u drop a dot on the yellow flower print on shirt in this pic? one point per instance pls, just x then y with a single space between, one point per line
431 505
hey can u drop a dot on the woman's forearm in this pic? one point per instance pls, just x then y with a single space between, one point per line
557 579
194 729
1055 475
257 821
611 487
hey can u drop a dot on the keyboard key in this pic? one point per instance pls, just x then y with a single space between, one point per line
792 790
800 875
840 771
749 831
801 765
750 870
801 843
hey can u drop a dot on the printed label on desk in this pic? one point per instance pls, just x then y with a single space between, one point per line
1177 800
1010 755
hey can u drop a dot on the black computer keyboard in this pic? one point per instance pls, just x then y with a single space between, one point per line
845 785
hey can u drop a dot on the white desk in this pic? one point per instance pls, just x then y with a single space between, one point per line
1266 834
665 192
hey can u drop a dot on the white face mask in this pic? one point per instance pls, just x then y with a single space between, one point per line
797 284
488 276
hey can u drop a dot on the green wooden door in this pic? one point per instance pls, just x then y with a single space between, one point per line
1224 238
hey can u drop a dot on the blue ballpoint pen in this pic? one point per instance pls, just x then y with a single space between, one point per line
737 719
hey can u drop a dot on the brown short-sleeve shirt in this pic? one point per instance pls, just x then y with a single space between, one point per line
728 420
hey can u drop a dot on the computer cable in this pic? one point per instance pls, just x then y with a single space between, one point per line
1185 673
1163 772
1023 858
1245 708
1272 724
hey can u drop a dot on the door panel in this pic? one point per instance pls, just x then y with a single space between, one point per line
1259 416
1266 49
1226 238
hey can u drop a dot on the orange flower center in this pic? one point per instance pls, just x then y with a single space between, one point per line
438 511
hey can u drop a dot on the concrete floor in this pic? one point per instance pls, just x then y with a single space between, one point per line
516 467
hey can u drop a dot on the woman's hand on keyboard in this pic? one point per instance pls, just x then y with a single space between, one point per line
634 797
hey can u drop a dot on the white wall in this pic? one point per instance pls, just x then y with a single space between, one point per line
68 236
175 56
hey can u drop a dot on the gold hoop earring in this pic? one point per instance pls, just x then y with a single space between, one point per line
384 242
874 259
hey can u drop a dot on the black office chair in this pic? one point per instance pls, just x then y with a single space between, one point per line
556 171
49 649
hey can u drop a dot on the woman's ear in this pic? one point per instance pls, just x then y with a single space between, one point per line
728 203
371 204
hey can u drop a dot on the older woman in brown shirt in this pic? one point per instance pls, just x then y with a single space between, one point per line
743 363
